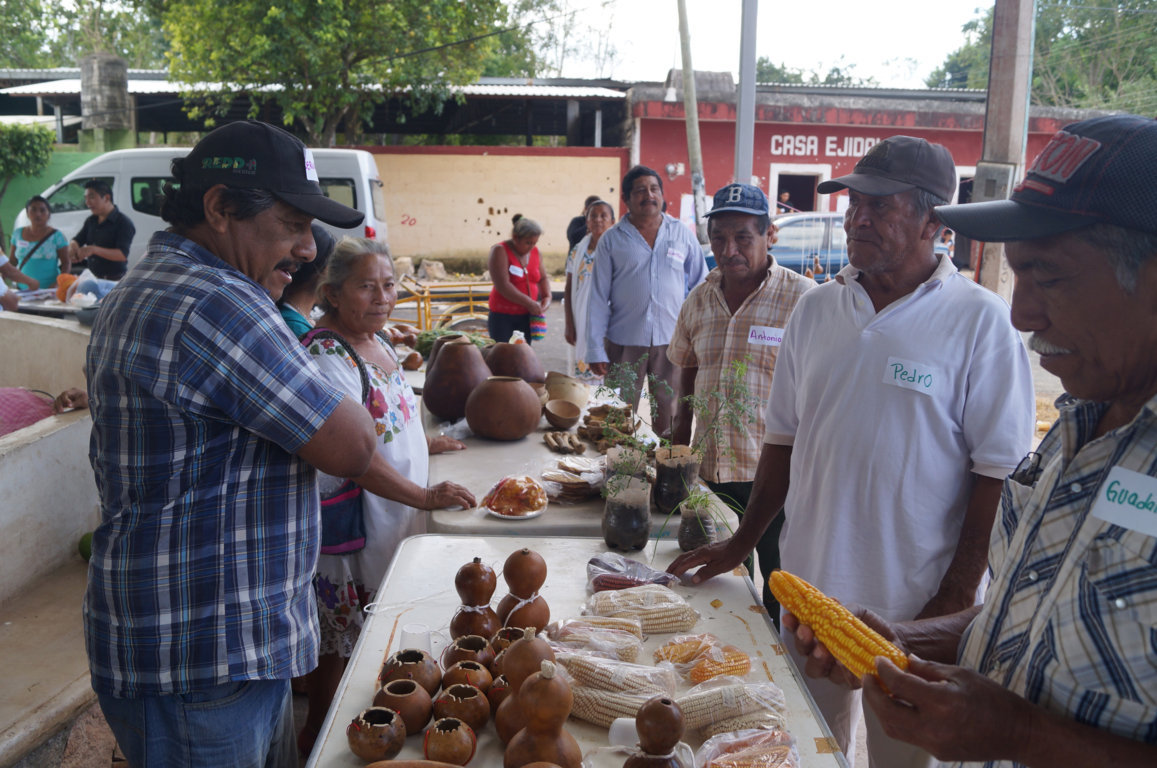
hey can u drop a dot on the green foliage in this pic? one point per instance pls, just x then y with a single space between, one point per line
1100 56
24 151
841 74
327 63
56 33
728 407
24 31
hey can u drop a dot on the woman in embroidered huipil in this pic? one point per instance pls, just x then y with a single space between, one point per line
357 295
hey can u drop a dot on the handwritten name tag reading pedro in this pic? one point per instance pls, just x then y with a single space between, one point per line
1128 499
918 377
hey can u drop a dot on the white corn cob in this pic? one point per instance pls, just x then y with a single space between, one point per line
658 609
765 720
601 622
724 702
608 642
609 675
602 707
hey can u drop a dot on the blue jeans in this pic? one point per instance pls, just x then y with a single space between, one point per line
247 724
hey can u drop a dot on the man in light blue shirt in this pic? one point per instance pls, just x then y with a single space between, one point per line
644 267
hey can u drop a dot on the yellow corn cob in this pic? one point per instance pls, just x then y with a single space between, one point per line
682 650
602 707
730 661
608 675
851 641
657 608
610 622
779 756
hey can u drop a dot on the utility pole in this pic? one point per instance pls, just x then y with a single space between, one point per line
1005 125
691 108
745 108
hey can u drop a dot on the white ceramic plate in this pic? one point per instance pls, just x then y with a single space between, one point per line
527 516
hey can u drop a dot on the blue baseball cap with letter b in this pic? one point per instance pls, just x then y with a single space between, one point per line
739 198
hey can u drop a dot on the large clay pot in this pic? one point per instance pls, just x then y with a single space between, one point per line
409 700
450 740
376 734
563 387
503 408
468 648
469 673
437 345
519 360
464 702
457 370
413 664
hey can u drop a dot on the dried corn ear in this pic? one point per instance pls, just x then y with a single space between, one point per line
851 641
684 649
609 675
777 756
599 622
603 707
726 660
612 643
767 720
727 698
658 609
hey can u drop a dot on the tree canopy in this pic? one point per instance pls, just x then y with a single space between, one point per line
327 63
56 33
1101 56
841 74
24 151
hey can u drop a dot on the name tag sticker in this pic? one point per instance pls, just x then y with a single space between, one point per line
517 271
765 336
909 375
1128 499
678 257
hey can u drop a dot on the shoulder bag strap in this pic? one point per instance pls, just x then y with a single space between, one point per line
28 255
326 333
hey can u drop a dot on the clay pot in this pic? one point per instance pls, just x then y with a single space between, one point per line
450 740
659 723
464 702
503 408
377 733
437 345
562 414
413 664
468 673
535 614
563 387
457 370
504 637
468 648
409 700
519 360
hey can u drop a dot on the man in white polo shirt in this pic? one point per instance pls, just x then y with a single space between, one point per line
902 397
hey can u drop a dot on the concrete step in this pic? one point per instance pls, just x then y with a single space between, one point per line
45 684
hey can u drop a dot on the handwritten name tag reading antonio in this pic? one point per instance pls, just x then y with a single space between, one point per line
1128 499
909 375
765 335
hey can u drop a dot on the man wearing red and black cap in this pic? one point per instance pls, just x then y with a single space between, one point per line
902 397
208 420
1059 666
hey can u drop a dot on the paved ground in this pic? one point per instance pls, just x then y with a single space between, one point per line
91 744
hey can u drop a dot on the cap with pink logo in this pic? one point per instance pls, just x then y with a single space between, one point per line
1096 171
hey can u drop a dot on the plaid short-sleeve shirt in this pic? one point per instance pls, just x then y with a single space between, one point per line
1070 619
708 337
201 565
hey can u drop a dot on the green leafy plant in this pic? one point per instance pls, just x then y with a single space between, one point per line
728 407
24 151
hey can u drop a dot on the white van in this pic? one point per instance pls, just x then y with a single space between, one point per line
136 177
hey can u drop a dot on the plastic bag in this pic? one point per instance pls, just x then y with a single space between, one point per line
727 698
658 609
611 570
592 671
578 635
762 748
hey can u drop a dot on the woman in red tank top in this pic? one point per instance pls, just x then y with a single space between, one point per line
521 285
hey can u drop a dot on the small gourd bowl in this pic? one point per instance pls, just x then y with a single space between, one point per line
562 414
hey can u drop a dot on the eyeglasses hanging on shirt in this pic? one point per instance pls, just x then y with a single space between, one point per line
1028 471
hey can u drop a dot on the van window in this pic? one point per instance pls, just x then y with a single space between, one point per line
343 191
805 235
147 193
377 192
70 196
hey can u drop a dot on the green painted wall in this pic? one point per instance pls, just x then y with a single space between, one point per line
64 160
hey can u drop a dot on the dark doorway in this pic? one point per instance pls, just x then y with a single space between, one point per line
801 190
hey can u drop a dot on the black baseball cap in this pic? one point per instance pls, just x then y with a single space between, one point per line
256 155
897 164
1095 171
739 198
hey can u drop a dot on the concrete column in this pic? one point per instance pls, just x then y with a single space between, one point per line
105 107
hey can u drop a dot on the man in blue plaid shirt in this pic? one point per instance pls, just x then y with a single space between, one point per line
208 421
1059 666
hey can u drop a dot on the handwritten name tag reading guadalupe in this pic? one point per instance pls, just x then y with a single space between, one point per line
918 377
765 335
1128 499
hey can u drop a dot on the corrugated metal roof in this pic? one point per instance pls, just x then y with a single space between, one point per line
541 91
71 86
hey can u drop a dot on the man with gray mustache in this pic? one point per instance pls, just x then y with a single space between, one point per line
1059 666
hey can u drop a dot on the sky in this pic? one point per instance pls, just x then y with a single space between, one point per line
898 42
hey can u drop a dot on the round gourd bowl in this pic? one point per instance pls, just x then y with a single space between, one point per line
562 414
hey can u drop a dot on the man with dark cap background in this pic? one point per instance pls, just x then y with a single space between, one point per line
208 420
736 315
1058 667
902 396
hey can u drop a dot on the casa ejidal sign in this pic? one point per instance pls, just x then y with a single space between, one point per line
803 145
